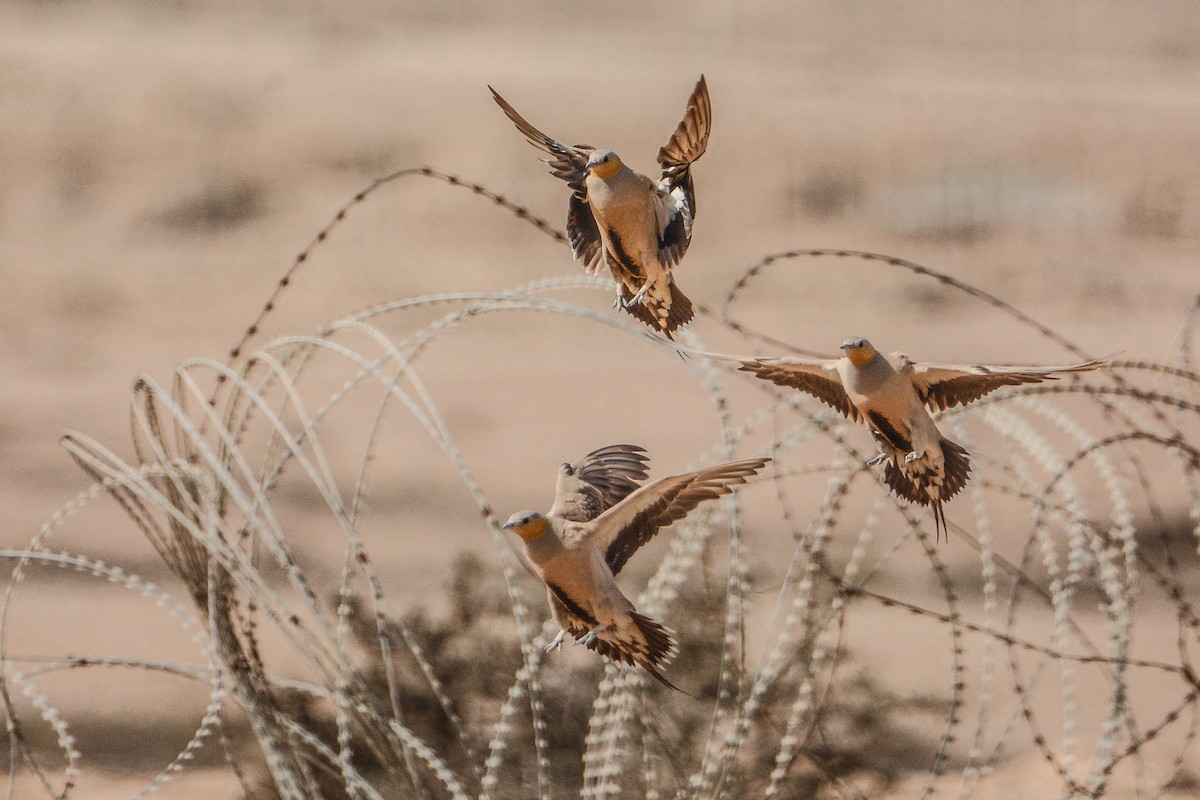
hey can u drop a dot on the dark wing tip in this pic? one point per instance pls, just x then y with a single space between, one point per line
690 138
753 367
500 101
629 447
510 112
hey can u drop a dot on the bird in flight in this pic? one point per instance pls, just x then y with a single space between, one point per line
639 227
894 395
599 519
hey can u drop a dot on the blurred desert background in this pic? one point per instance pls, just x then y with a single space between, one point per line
162 164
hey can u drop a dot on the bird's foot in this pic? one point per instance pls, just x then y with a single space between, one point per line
877 460
913 456
592 635
640 296
557 643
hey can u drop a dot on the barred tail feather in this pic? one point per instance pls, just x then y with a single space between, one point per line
651 647
660 647
637 310
900 483
681 308
914 484
680 312
958 468
660 643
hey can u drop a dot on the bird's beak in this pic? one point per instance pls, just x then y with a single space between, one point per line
508 525
844 346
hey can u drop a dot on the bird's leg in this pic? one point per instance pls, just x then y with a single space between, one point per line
617 301
557 643
886 451
590 638
640 296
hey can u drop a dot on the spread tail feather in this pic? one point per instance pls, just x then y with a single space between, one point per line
914 484
654 647
958 468
660 645
679 313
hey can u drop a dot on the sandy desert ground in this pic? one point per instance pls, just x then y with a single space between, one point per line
161 165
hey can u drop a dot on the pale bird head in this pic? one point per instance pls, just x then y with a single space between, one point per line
859 351
603 164
529 525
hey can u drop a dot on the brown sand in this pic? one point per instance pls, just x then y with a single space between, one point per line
160 167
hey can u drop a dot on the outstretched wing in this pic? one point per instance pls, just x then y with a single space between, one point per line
584 234
570 164
676 204
687 144
674 219
628 525
942 386
598 481
813 376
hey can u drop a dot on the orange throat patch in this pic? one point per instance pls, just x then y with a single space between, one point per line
606 171
860 357
533 529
